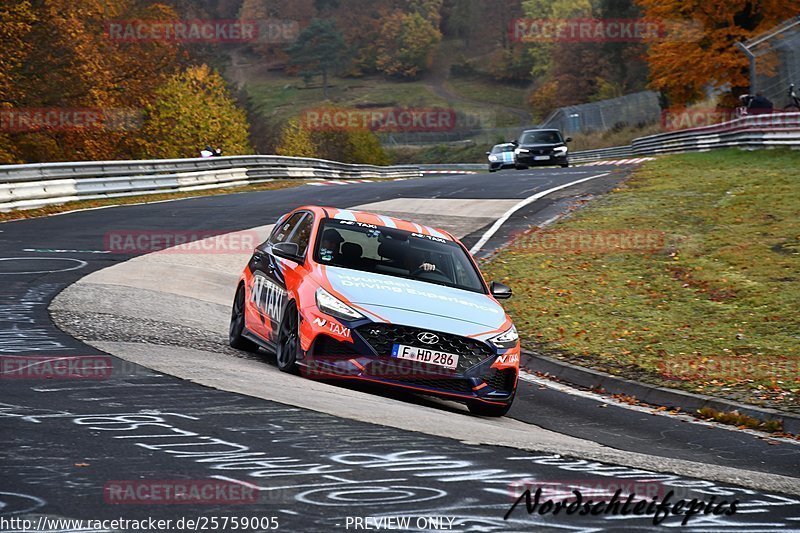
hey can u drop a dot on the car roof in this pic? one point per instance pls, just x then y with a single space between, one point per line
542 129
378 220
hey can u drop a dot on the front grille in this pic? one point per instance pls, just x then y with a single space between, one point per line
501 380
383 336
327 347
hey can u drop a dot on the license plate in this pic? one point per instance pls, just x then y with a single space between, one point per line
425 355
541 158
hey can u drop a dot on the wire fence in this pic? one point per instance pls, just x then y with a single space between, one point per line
632 110
777 61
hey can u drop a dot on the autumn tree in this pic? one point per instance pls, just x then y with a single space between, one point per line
16 21
349 146
58 55
295 141
406 45
569 72
191 110
699 49
319 50
271 48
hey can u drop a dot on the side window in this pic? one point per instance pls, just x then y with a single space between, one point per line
281 233
302 233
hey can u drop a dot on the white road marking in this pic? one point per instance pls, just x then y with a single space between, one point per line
527 201
80 263
46 251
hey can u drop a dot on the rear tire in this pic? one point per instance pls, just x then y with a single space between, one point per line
288 341
490 410
235 338
565 165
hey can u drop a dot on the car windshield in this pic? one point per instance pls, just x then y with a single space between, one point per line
393 252
500 148
541 137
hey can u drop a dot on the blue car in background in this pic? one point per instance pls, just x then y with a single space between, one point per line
502 156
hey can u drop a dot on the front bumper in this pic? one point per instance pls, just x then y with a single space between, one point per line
552 159
498 165
366 358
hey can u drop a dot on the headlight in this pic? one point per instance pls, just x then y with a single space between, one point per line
507 339
330 305
492 158
521 151
560 150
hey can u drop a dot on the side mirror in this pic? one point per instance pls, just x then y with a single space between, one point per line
515 143
488 153
287 250
500 291
568 140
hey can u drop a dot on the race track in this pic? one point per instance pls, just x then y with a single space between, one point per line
317 453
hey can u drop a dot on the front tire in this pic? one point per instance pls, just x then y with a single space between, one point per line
235 338
521 167
289 341
490 410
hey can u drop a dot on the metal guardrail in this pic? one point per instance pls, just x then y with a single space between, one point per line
751 132
585 156
30 186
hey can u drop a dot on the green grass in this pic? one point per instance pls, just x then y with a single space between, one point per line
437 154
606 139
287 97
713 310
482 89
284 98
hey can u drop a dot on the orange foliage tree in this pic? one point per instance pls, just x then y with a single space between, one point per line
699 49
67 61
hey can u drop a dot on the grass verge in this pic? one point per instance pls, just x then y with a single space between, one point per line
711 307
145 198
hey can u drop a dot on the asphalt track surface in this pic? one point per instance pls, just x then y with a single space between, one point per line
63 441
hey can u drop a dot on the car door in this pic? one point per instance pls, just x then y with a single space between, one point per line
267 290
270 273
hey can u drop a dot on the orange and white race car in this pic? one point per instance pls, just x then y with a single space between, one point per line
344 294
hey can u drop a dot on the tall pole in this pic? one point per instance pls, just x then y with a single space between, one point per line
750 56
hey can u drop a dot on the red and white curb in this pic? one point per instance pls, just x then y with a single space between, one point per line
618 162
449 172
349 182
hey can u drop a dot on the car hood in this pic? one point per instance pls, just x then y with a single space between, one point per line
542 146
416 303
